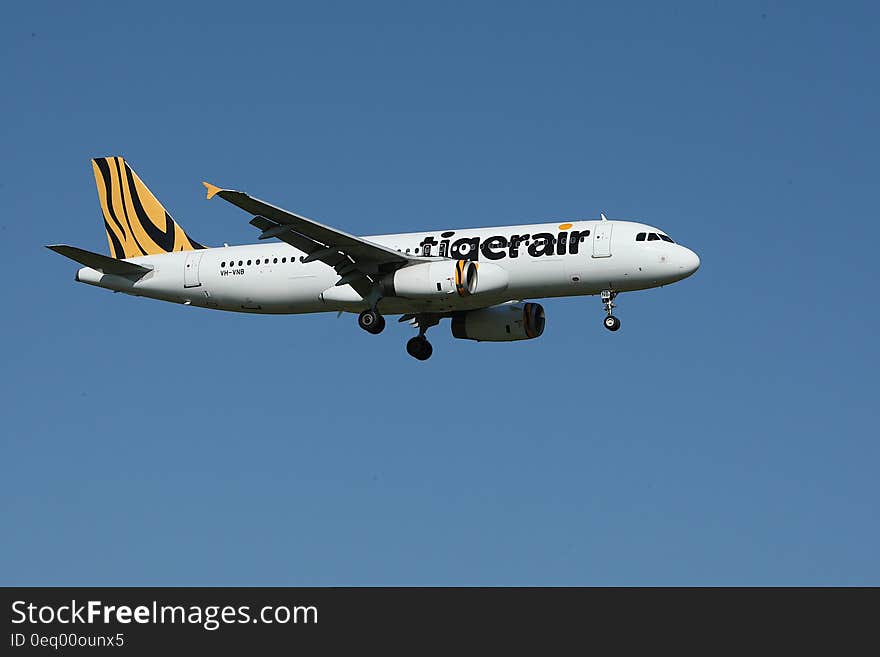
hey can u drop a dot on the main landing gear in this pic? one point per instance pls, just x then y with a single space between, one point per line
371 321
419 347
611 322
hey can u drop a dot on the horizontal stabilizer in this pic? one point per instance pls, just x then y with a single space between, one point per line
100 262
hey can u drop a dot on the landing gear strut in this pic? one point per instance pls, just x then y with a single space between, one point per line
611 322
371 321
419 347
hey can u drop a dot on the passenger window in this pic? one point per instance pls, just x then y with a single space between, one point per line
652 237
222 264
283 260
239 263
640 237
274 261
249 263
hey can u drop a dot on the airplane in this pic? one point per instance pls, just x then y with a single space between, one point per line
484 280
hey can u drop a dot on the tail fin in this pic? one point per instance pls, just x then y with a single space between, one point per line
135 221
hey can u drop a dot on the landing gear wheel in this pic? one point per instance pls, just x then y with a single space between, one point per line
379 327
371 322
419 348
612 323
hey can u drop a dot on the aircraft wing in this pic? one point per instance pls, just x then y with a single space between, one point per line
358 262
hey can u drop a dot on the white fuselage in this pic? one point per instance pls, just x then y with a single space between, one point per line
271 277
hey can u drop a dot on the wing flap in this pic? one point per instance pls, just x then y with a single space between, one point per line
315 250
332 256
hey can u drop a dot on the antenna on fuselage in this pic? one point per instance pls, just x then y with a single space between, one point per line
604 218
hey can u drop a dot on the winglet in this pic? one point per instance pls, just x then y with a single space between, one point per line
212 189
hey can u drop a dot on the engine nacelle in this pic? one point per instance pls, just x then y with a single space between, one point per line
503 323
491 278
432 280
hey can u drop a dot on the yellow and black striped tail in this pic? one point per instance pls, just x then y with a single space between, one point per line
135 221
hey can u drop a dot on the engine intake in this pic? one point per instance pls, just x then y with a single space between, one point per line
503 323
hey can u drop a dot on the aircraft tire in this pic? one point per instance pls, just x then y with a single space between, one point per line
371 322
419 348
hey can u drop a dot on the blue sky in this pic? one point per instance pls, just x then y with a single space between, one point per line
725 435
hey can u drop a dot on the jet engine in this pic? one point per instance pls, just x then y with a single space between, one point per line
502 323
432 280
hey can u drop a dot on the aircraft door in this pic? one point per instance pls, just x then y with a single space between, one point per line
602 239
191 269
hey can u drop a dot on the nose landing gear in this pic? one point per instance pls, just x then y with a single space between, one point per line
611 322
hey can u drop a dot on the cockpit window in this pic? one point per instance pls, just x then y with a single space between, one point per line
653 237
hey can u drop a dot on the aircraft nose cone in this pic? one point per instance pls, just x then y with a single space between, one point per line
690 262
